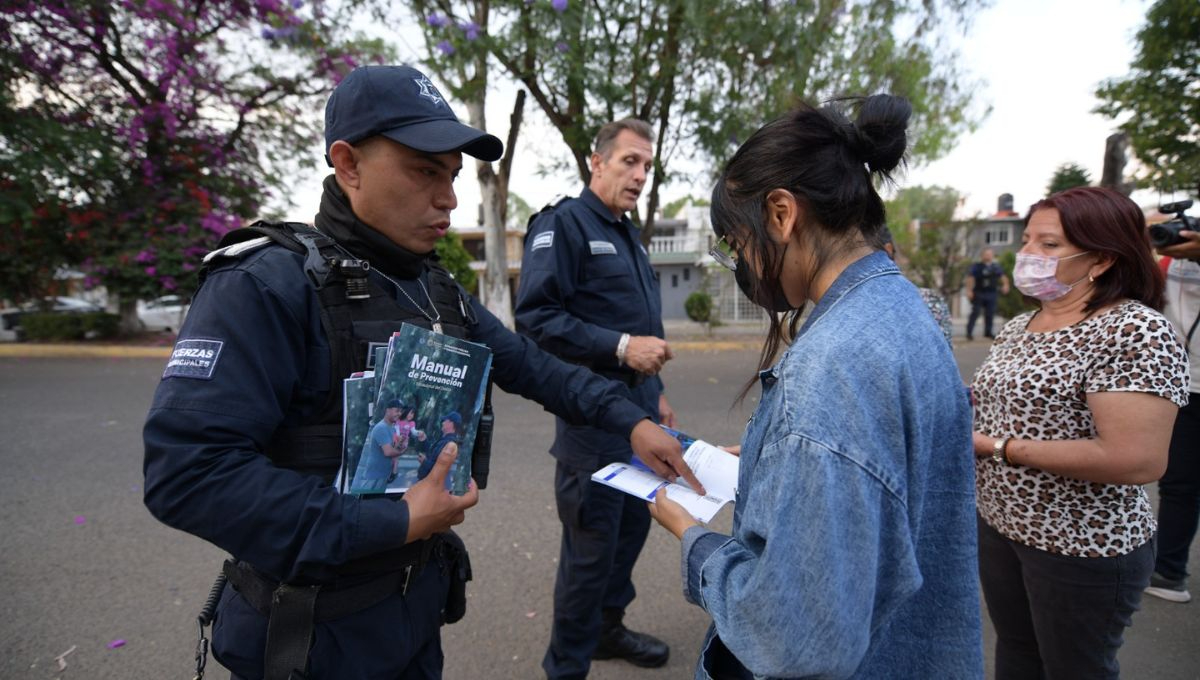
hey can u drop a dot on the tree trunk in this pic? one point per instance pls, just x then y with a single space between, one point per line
127 309
1115 155
494 291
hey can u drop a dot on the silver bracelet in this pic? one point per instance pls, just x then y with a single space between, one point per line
622 346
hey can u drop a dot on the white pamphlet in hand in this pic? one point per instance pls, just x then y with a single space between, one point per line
716 469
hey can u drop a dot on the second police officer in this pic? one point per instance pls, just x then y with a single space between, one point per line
243 437
589 295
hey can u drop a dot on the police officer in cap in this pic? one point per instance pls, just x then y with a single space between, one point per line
243 437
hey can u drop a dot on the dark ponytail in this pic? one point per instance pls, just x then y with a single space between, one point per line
829 164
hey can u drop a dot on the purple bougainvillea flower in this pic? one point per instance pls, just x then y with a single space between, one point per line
559 5
80 520
561 46
437 20
116 643
445 47
470 29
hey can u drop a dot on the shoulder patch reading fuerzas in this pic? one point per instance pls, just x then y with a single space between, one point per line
602 248
543 240
194 359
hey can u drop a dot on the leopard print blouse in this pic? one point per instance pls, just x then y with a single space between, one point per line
1034 386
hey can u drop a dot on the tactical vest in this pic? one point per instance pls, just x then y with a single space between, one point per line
355 312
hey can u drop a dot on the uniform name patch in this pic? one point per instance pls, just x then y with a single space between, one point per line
194 359
602 248
543 240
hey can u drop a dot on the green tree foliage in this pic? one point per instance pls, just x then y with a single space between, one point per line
673 208
455 258
146 129
705 73
519 211
1068 176
1159 100
934 249
699 306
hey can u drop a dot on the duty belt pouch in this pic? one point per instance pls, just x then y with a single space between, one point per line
459 564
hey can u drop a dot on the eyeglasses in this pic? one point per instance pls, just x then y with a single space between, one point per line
725 254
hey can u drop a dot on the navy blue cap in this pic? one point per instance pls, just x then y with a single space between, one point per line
454 418
400 103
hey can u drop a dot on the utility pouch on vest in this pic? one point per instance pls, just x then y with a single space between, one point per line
459 564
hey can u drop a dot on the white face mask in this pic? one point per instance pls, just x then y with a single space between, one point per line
1034 275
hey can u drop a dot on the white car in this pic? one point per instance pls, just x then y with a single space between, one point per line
162 314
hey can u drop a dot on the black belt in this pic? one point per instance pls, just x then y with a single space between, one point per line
291 610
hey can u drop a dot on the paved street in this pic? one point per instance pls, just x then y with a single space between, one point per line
85 565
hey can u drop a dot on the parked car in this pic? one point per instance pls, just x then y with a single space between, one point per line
10 319
162 314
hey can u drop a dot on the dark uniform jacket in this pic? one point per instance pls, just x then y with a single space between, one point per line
252 358
585 280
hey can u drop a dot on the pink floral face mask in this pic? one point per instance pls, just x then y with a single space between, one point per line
1034 275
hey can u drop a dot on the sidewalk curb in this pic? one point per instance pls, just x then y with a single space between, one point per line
37 351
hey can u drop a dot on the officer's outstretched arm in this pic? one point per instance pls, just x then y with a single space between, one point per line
431 508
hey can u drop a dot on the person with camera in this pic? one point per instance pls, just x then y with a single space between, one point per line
1179 488
1074 407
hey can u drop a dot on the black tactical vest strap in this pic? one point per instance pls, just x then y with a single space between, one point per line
350 325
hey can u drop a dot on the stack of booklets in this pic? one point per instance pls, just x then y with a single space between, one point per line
422 393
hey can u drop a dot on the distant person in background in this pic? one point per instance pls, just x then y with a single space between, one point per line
933 299
1179 488
1073 413
985 283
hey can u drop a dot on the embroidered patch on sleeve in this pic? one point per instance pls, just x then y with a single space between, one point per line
194 359
602 248
543 240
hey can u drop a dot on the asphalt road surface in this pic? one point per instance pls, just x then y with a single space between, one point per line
89 576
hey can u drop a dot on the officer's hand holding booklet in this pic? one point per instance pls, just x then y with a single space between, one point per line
716 469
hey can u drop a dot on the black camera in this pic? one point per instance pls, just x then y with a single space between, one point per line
1166 234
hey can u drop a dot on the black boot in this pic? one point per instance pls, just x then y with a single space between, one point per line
618 642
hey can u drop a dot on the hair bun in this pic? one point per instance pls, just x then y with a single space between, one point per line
879 137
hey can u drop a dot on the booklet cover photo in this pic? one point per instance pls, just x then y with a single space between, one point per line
425 395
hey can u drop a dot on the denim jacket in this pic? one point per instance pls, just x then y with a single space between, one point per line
853 552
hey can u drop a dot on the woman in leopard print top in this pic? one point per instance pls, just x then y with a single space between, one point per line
1075 404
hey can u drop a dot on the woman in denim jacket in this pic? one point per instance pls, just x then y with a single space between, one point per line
853 546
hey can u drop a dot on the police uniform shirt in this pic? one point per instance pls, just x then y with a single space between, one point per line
585 280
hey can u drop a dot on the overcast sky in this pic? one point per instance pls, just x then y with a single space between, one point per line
1040 61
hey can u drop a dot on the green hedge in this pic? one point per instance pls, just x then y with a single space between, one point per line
699 307
57 327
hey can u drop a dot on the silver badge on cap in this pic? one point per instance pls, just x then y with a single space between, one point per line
428 90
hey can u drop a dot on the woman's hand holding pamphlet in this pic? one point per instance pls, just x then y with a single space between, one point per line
716 469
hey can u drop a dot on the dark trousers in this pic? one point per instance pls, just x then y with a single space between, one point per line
1056 616
603 531
1179 494
986 303
398 639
